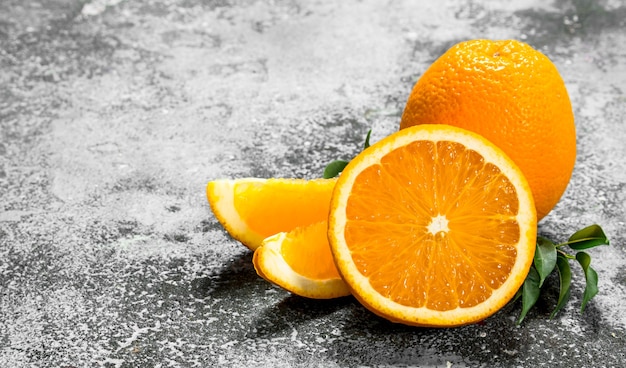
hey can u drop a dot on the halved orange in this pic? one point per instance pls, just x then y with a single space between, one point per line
433 226
251 209
300 262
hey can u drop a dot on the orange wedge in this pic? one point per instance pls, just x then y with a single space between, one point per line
300 262
433 226
251 209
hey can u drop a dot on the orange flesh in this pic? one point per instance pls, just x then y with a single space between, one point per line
308 253
296 204
439 206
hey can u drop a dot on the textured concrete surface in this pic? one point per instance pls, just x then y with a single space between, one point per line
114 114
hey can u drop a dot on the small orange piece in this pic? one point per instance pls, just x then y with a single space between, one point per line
300 262
251 209
510 94
433 226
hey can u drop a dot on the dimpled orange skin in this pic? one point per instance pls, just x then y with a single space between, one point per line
510 94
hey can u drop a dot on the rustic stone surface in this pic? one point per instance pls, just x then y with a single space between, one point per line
114 114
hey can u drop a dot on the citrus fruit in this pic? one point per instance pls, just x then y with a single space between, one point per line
433 226
251 209
300 262
514 96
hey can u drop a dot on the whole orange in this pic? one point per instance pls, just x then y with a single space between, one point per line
514 96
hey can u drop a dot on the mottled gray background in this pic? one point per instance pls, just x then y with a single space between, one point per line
114 114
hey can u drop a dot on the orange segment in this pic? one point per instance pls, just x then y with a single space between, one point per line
252 209
300 261
433 226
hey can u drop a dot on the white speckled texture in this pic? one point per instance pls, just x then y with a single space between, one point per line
114 114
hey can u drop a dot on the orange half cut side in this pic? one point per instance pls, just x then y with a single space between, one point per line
433 226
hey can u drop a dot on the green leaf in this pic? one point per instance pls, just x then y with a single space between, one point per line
545 258
367 139
591 278
530 293
334 168
589 237
565 279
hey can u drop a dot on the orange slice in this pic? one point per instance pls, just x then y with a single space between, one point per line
251 209
433 226
300 261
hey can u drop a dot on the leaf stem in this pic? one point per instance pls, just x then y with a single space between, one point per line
565 254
